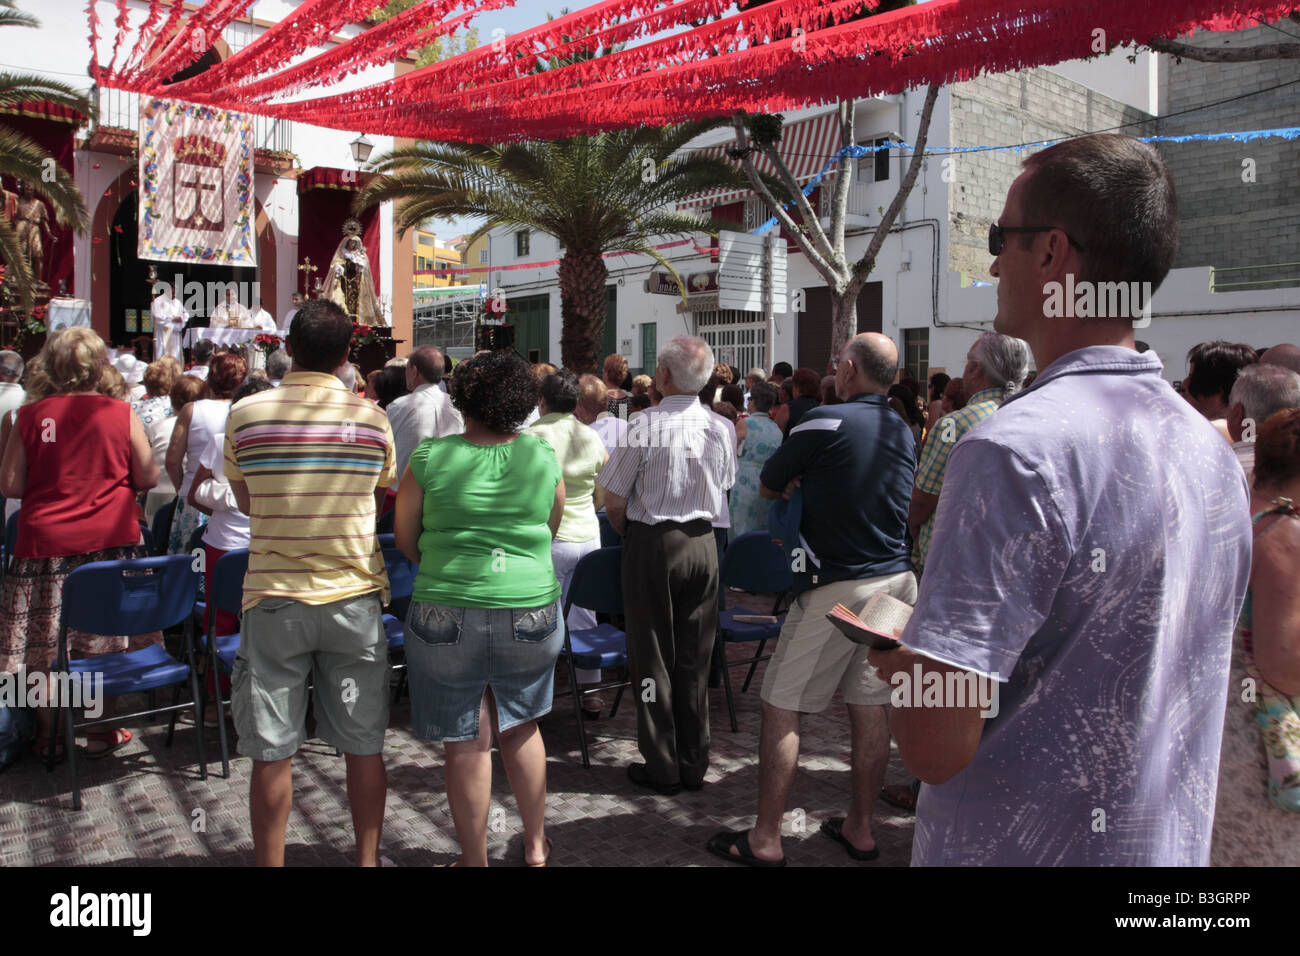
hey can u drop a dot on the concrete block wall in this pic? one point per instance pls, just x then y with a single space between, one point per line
1227 221
1021 107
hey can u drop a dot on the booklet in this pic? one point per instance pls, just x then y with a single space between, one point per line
880 618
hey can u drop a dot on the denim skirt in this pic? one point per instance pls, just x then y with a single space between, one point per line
454 653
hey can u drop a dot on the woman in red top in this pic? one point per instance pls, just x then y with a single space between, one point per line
77 462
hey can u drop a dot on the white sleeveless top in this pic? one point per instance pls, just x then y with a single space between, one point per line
207 421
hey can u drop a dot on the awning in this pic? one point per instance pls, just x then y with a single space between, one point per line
805 148
44 109
330 177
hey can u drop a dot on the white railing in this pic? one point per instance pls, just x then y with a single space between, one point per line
121 109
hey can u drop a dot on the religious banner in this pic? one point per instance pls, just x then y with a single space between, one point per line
196 185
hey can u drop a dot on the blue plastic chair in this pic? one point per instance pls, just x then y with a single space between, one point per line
753 563
597 585
221 649
147 537
128 597
609 538
401 582
162 526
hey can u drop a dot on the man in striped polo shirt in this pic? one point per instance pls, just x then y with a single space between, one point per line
309 463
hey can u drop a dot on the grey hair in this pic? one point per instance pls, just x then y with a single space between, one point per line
689 360
1004 359
1263 390
875 366
11 366
278 364
757 374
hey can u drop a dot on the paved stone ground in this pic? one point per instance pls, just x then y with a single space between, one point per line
140 803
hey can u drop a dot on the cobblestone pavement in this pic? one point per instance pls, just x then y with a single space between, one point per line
141 804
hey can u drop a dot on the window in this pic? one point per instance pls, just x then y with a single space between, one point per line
916 353
483 256
521 243
875 168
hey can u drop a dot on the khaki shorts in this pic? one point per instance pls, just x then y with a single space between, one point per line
813 659
341 646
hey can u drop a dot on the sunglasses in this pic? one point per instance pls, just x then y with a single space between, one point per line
998 236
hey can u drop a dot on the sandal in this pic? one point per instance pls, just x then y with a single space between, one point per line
834 828
41 747
720 844
545 860
111 739
899 795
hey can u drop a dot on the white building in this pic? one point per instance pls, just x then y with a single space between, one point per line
304 182
930 290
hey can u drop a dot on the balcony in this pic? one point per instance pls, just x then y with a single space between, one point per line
119 129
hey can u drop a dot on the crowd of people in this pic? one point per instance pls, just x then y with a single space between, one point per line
1076 541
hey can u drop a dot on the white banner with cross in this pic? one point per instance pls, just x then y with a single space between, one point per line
196 185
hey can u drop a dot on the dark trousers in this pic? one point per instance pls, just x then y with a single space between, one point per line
670 599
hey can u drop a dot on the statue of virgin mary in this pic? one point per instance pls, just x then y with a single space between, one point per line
349 282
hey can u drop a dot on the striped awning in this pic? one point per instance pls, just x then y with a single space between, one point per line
805 148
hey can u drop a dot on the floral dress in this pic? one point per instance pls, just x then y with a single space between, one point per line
1257 810
748 507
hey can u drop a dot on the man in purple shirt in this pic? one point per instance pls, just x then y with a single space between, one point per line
1090 555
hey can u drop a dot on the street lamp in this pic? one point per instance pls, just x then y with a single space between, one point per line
361 148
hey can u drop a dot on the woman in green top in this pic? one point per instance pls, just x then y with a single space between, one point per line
478 511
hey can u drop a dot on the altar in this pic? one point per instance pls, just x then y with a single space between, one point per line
221 337
231 338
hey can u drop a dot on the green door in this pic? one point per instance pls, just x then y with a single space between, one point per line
531 317
649 347
609 341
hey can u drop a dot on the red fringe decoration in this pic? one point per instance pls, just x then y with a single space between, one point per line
737 62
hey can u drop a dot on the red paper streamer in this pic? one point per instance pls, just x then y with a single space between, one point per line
733 63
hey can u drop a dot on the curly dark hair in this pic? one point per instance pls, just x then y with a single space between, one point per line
560 389
497 389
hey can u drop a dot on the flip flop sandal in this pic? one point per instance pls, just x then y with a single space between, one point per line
899 795
113 740
545 860
720 844
834 828
41 747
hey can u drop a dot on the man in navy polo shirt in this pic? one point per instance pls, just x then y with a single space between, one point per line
855 463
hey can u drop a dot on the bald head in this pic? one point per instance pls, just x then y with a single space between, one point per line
591 399
1287 356
427 363
868 364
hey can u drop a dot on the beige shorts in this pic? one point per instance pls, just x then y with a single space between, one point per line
813 659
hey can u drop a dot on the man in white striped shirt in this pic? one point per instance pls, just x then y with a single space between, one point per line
663 487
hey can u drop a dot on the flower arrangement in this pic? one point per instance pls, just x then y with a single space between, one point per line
363 335
266 343
25 323
494 312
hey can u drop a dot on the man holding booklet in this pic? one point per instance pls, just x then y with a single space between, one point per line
1090 556
854 463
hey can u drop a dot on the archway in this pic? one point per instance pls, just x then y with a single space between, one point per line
114 265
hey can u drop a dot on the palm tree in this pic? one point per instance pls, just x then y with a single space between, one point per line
23 159
603 193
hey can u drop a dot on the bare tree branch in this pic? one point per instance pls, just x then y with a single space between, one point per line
823 264
840 198
864 265
1240 54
